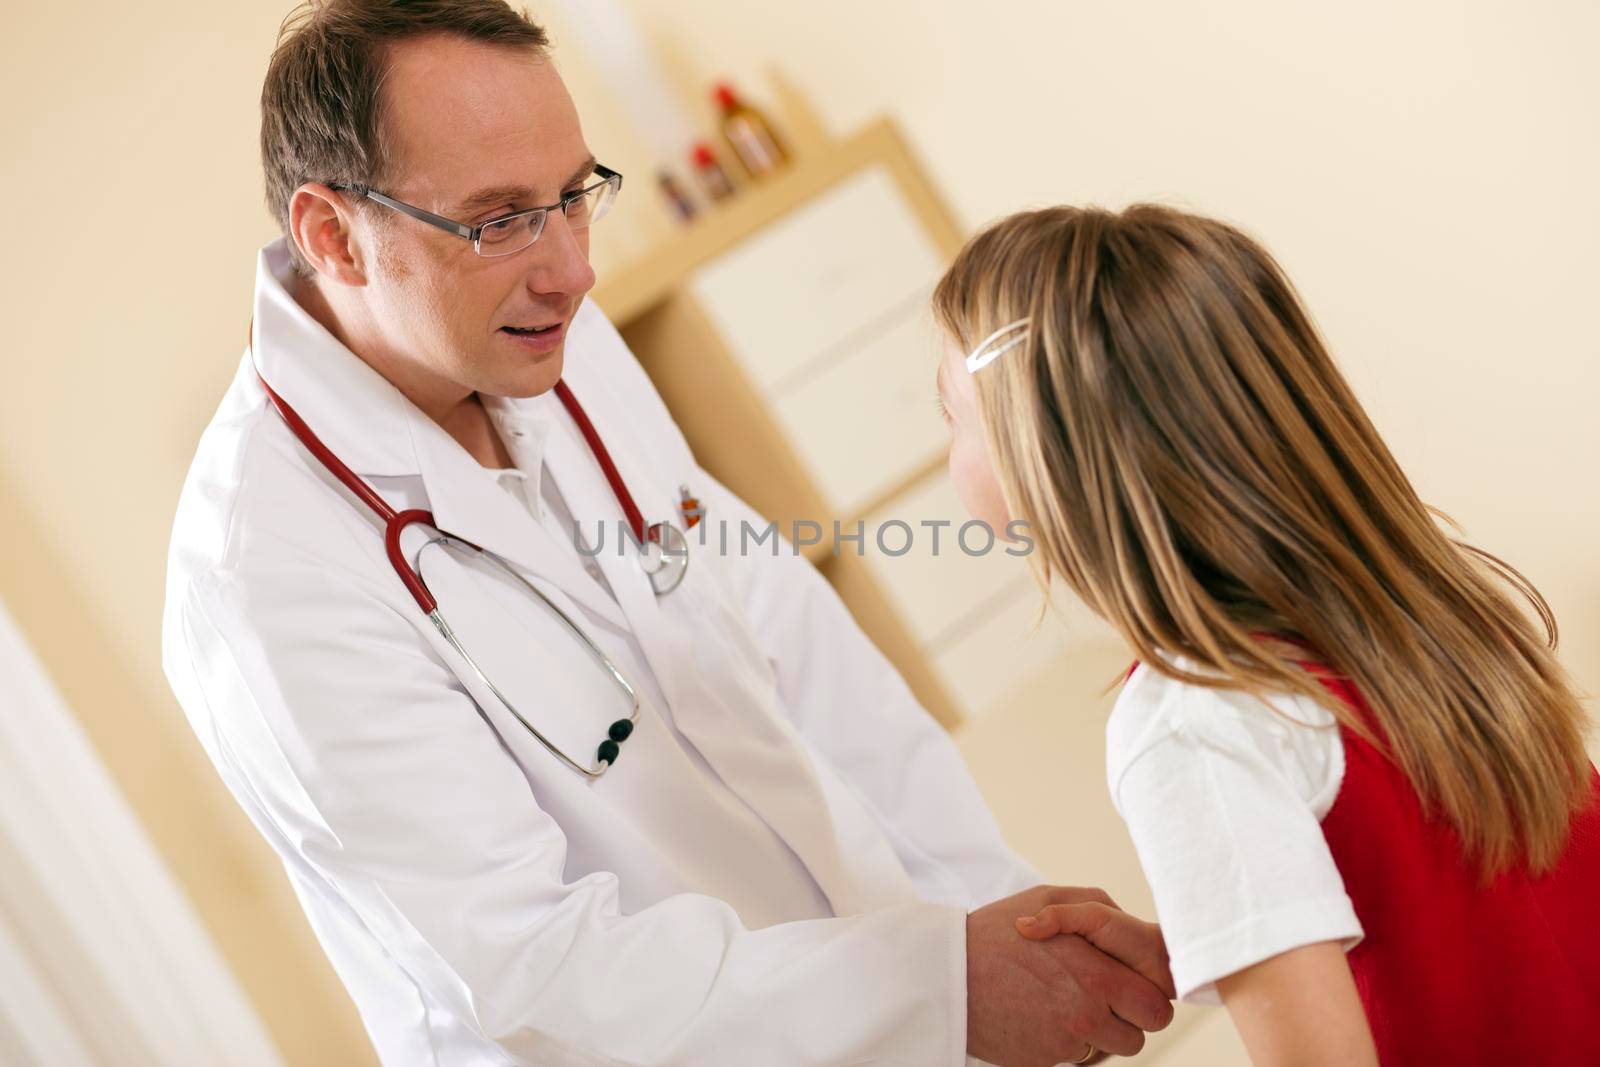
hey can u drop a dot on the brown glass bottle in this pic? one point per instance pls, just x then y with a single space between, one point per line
749 134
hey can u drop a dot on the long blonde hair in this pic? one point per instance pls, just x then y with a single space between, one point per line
1192 464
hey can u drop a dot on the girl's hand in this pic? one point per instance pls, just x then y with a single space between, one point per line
1110 929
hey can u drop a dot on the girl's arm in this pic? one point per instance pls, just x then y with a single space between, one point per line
1296 1009
1300 1008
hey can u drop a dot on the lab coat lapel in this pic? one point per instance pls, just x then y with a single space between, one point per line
723 700
716 681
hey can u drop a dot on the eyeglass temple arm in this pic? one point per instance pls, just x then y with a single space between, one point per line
448 225
604 172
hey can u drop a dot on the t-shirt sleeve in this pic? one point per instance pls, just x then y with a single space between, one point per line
1223 816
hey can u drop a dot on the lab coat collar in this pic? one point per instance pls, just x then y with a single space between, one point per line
370 425
354 410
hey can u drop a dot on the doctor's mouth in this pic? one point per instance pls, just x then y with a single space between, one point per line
892 537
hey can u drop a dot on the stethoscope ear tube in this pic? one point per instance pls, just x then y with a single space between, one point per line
324 455
393 523
397 558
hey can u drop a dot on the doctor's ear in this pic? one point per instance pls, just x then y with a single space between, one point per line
322 223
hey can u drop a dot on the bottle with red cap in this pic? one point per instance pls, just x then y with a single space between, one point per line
749 134
713 179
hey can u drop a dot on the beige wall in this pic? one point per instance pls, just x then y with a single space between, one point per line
1426 171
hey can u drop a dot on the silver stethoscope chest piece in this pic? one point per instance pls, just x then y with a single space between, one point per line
664 557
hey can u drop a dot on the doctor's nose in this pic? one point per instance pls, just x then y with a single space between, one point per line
560 263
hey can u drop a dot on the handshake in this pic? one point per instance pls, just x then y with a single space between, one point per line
1060 975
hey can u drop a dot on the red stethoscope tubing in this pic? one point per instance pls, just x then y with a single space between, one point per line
597 447
395 522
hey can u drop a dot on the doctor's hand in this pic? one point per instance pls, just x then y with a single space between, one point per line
1037 1003
1107 927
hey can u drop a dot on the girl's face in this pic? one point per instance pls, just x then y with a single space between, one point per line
971 468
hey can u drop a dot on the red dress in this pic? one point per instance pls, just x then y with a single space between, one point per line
1451 973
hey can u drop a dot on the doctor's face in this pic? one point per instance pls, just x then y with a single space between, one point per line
474 132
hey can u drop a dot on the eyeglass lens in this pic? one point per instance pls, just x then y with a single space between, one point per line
520 231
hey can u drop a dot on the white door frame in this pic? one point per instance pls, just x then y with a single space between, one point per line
102 958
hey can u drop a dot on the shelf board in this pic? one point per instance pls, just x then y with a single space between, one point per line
634 289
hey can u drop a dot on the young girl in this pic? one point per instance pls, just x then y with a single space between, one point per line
1353 770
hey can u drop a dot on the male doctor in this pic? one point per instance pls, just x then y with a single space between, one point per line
777 866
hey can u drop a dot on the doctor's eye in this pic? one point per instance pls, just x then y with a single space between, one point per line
506 231
944 412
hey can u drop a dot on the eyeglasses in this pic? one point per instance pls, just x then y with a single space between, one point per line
997 344
512 233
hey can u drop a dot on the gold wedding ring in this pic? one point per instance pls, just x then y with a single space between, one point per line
1087 1055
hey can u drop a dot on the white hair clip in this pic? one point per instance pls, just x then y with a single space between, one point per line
984 355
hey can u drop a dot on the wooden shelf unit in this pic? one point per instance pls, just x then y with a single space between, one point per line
729 419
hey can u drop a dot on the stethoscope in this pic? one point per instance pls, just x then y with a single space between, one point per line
663 556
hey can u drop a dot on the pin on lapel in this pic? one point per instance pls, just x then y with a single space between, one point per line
690 506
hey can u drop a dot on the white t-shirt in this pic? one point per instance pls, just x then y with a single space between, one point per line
1224 797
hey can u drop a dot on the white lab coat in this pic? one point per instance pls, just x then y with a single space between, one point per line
777 870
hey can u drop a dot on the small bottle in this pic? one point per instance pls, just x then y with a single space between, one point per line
712 177
673 193
749 134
